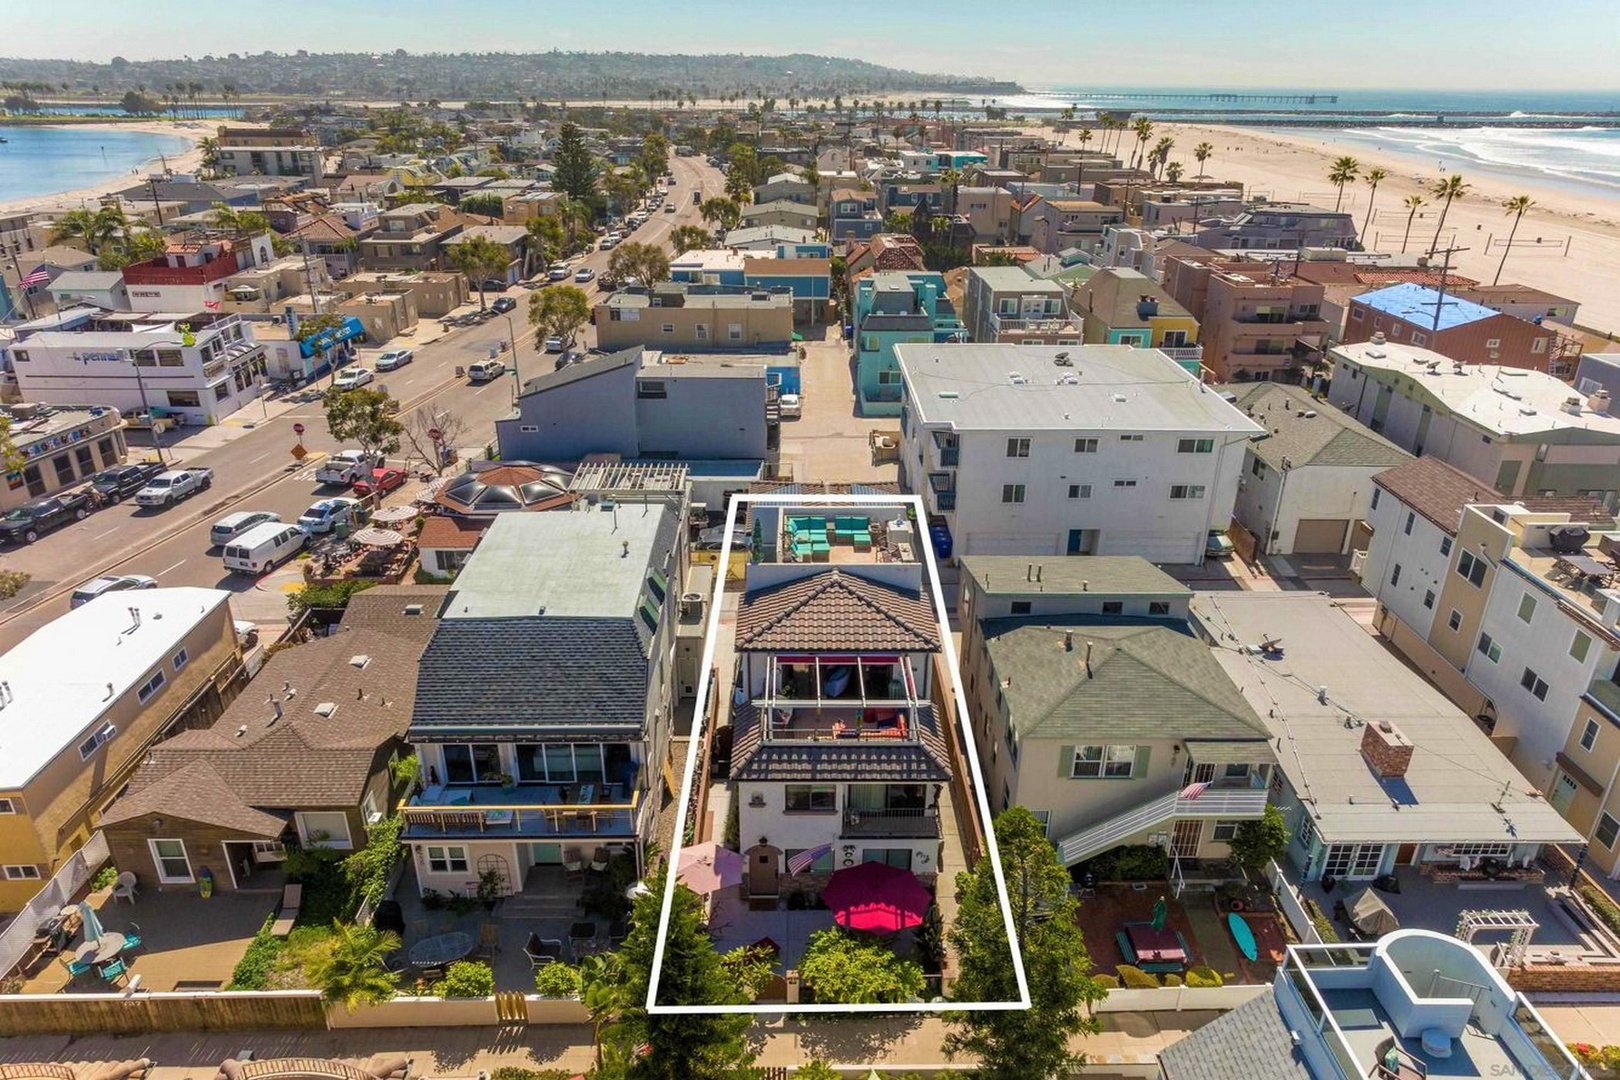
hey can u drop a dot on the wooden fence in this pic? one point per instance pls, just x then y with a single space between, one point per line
968 825
134 1014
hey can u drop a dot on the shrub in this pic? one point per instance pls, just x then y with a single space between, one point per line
424 576
1172 979
333 597
1107 982
1599 1057
513 1072
1601 906
1131 862
1204 977
368 870
466 979
105 878
557 980
1324 925
12 582
815 1070
253 970
1135 978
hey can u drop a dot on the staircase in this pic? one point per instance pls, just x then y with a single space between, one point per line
1213 803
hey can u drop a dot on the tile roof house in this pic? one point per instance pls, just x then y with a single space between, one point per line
311 763
838 751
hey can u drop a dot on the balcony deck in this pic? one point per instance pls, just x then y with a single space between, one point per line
527 810
919 823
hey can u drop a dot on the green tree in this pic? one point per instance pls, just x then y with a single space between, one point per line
815 1070
136 245
604 991
623 189
838 967
1031 1044
365 417
1447 188
738 187
1515 208
690 237
234 219
654 155
1374 177
480 258
545 242
1259 840
1413 204
140 103
1341 172
1201 152
354 973
558 312
744 163
486 205
647 263
724 212
575 169
466 979
1173 171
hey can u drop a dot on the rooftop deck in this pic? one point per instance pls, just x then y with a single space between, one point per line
525 810
1368 1028
1576 579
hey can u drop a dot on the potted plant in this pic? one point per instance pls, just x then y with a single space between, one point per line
490 886
508 784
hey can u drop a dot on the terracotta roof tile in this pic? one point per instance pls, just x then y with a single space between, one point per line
835 610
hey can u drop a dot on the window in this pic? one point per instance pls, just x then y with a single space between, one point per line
650 389
451 859
328 829
702 332
1489 649
1012 493
7 806
810 798
169 856
734 331
1533 683
1411 517
1539 345
1493 343
1471 568
222 390
1131 438
180 659
1259 468
1527 608
1307 828
471 764
1186 491
1376 492
1454 620
1445 545
1195 446
1607 829
1018 448
1428 599
23 872
151 686
97 741
1079 491
1589 735
1357 314
183 399
1124 483
64 469
1111 762
1085 446
1580 647
1395 576
1113 607
1419 338
1158 607
1225 830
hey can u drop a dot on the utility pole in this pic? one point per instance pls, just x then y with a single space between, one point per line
1445 268
157 206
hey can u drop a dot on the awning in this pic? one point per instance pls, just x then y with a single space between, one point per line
1254 752
352 328
1578 774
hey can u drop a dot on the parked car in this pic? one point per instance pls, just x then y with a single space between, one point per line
392 360
554 344
353 378
122 481
494 285
584 274
486 370
697 198
504 304
669 208
32 520
1217 545
260 549
347 466
380 482
609 242
231 526
790 406
110 583
322 516
557 272
166 489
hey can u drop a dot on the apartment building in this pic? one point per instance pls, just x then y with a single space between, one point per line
675 316
98 288
781 212
411 237
191 273
988 210
269 152
1091 663
1006 304
1412 314
85 698
890 307
786 186
1059 223
1254 324
1522 302
1519 431
1079 450
1280 226
514 238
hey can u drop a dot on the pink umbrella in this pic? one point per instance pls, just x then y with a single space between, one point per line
876 898
708 867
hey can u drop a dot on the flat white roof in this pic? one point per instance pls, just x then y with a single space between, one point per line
708 259
54 683
1331 673
1027 387
1502 400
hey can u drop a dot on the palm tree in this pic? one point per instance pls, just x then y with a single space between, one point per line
1342 171
1202 152
1161 153
1447 188
75 225
354 973
1412 204
1516 207
1374 177
1143 130
1173 172
604 993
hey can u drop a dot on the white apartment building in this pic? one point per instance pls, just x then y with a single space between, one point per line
202 367
1077 450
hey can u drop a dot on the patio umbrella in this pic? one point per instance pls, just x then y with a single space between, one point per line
373 537
637 890
877 898
1161 912
92 924
708 867
390 515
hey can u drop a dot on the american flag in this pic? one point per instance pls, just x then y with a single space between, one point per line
211 305
1192 791
807 858
36 276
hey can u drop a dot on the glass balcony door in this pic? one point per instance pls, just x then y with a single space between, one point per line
476 763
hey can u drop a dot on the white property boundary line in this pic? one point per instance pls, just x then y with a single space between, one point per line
992 852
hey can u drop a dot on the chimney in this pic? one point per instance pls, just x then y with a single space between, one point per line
1377 338
1598 402
1387 751
276 705
1088 659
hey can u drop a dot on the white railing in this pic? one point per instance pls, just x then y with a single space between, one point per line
1213 803
18 938
1358 559
1293 906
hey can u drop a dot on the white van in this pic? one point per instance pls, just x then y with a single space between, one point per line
231 526
263 546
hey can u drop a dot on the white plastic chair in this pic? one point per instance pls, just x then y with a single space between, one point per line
125 887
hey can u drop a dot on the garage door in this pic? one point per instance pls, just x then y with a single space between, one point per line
1320 535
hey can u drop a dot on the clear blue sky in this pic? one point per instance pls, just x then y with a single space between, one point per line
1333 44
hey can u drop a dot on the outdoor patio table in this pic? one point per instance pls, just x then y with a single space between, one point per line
101 950
1588 567
581 933
1155 946
439 951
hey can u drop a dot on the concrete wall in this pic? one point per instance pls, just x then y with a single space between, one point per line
1419 554
706 416
587 416
697 327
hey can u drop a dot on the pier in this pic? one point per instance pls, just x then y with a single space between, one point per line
1225 99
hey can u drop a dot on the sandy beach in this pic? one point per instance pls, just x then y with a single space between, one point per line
189 161
1286 166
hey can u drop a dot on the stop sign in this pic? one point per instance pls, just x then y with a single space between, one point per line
298 429
435 434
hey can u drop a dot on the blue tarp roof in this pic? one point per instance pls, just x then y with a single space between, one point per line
351 328
1414 303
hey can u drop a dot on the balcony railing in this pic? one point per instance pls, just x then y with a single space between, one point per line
1184 352
527 810
922 822
944 501
1046 324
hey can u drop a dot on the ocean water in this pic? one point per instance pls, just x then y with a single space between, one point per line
41 161
1587 157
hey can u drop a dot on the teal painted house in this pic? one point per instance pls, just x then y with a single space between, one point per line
892 307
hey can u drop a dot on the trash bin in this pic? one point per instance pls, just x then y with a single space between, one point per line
340 529
205 882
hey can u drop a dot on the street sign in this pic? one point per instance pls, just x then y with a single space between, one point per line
435 434
298 429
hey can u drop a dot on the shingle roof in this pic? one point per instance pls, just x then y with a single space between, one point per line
1324 437
450 533
835 610
1439 490
596 365
1148 679
196 792
893 760
1250 1041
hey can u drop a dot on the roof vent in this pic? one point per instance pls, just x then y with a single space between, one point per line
359 660
1119 398
1062 360
413 609
949 395
1017 378
1377 338
326 708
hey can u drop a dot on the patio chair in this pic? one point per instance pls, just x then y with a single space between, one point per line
489 941
599 860
125 887
291 897
132 938
538 952
114 971
573 864
74 967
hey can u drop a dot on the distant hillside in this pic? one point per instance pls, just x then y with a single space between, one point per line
460 76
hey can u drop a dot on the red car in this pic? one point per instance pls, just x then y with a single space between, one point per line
382 481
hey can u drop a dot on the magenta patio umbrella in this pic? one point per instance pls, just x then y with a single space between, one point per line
708 867
877 898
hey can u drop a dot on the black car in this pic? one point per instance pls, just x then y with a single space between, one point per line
504 304
31 520
121 481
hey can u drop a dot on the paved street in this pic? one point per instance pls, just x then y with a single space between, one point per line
251 455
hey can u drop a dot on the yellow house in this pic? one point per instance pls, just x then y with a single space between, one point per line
1585 789
83 698
1121 306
